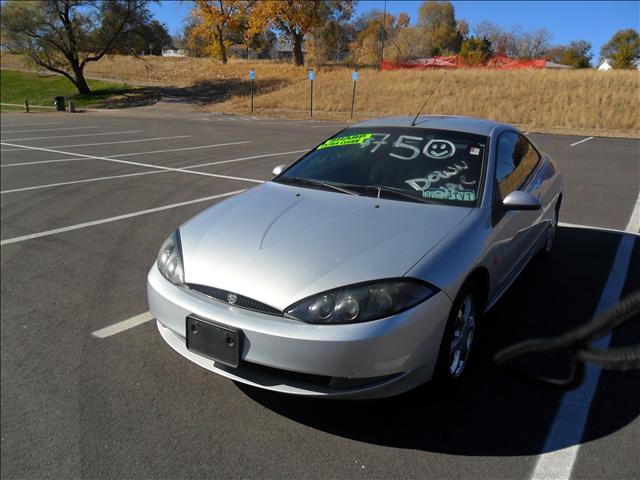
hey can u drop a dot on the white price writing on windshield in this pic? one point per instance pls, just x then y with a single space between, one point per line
377 143
400 143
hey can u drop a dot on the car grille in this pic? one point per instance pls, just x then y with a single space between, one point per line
241 301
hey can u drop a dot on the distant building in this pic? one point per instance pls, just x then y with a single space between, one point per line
175 52
549 64
605 65
283 49
240 51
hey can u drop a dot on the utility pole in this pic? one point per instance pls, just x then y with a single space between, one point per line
383 31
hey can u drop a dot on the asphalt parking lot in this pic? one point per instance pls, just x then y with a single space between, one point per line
86 201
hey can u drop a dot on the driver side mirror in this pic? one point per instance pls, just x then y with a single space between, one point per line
518 200
278 170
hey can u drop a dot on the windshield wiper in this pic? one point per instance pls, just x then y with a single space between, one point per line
398 193
317 183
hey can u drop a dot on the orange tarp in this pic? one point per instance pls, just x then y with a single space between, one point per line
455 61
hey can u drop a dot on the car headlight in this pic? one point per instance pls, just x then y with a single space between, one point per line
361 303
170 259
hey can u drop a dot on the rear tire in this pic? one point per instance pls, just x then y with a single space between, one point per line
457 341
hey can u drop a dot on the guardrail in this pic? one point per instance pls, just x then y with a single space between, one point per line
22 105
27 106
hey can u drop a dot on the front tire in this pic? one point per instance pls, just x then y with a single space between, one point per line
457 341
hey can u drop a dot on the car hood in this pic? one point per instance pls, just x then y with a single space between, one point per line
280 243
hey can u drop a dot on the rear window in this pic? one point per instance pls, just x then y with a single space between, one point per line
437 166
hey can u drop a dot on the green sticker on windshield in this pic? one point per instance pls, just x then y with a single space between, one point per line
348 140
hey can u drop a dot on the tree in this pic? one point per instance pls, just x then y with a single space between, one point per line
533 44
555 53
296 18
215 19
192 40
623 50
438 21
369 31
330 41
63 36
577 54
408 44
151 37
476 51
502 41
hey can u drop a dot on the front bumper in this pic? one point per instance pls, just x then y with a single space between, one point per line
395 353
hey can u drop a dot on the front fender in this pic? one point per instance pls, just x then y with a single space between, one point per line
450 263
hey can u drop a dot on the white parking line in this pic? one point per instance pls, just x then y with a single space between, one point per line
112 177
42 161
634 222
28 124
581 141
71 136
122 326
154 139
126 154
565 434
55 231
180 149
246 158
139 164
632 227
86 180
50 129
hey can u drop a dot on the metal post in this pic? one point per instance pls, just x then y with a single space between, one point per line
353 96
311 98
252 75
26 105
311 78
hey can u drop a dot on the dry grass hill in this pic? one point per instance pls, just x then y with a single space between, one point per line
578 101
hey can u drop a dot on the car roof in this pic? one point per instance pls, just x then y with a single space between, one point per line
478 126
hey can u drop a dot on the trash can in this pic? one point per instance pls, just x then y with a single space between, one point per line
59 104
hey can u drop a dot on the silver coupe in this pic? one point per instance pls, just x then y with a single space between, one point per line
362 269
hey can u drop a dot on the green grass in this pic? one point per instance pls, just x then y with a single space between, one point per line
40 89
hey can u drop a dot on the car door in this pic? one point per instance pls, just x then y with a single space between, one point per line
514 231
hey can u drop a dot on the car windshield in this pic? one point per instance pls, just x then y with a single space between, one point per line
410 164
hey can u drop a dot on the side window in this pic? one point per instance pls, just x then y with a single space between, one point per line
516 160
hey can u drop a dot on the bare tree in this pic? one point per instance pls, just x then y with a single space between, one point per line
534 44
503 42
409 44
63 36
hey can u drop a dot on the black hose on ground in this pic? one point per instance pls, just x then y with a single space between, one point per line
576 343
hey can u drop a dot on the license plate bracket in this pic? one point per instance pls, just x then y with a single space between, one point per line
216 342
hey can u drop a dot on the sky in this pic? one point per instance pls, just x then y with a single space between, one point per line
594 21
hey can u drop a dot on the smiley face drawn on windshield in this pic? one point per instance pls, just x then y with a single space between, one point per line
439 149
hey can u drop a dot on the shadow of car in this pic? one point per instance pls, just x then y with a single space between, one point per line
490 412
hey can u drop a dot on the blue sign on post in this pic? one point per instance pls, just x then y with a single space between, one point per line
252 75
312 75
354 75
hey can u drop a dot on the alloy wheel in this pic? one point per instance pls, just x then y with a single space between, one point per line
462 336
